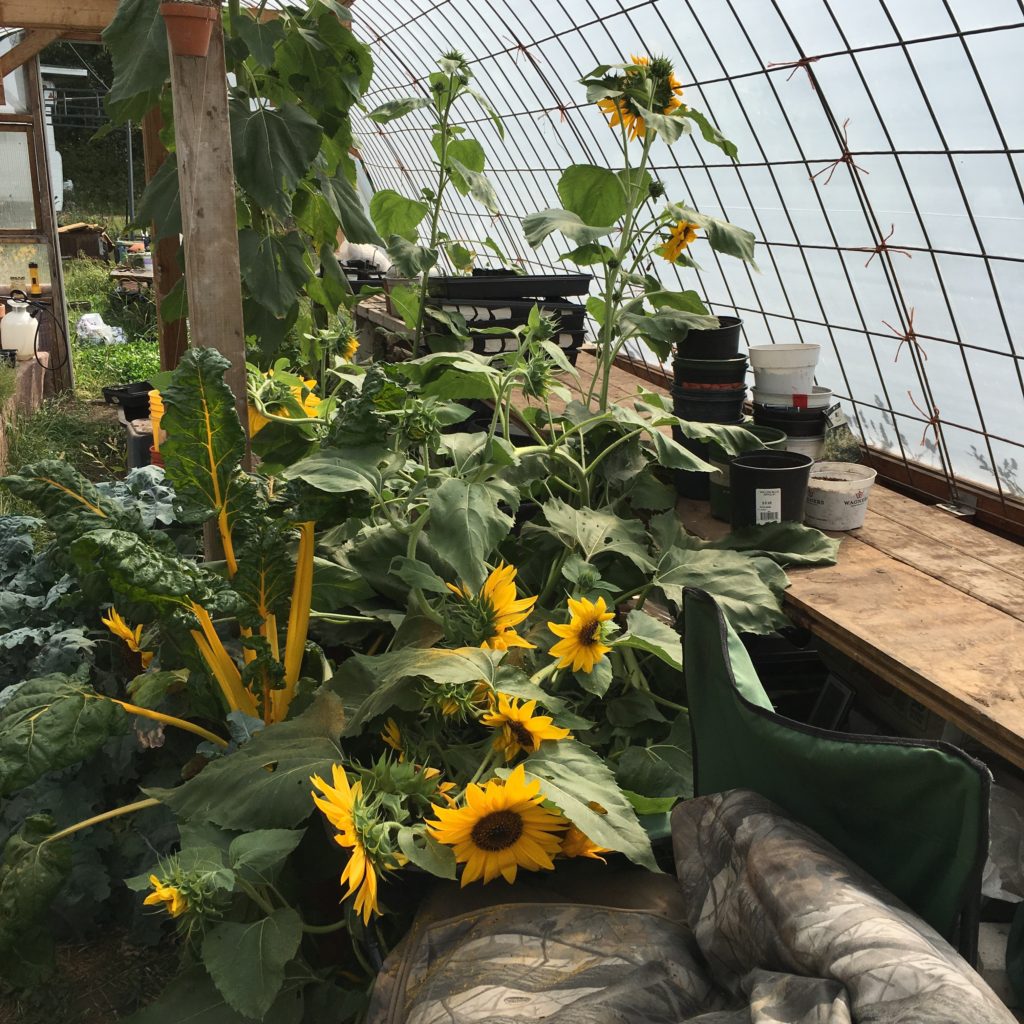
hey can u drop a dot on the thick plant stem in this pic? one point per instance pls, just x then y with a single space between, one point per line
298 620
178 723
97 819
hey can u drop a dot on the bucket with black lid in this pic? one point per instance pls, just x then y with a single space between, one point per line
769 487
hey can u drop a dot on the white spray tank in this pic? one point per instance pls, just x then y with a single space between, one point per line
18 330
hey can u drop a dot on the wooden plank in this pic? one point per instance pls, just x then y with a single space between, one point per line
82 15
32 42
207 187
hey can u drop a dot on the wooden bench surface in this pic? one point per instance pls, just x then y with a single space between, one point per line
930 603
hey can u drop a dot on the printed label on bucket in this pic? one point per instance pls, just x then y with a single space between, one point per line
767 505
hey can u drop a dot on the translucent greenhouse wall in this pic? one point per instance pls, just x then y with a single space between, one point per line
880 160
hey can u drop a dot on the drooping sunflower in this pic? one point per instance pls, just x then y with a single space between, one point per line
582 644
341 804
350 348
682 235
172 898
521 729
494 612
576 844
392 736
501 827
302 393
132 637
649 83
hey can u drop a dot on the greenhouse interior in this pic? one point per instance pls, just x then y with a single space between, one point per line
511 512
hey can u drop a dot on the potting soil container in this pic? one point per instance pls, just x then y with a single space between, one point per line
816 398
718 405
722 342
804 428
693 372
768 487
837 495
784 369
719 486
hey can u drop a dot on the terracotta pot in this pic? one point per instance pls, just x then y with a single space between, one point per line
155 458
189 27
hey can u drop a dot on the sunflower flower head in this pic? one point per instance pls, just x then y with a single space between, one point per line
461 701
190 895
500 828
280 399
357 830
392 736
132 637
489 617
682 235
647 83
582 638
350 348
576 844
520 730
167 897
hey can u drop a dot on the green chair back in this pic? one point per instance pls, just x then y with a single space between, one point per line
912 814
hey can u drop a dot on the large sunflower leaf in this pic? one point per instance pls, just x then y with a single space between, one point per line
273 268
785 543
651 635
52 722
393 214
594 532
583 787
595 194
537 227
160 205
205 444
137 40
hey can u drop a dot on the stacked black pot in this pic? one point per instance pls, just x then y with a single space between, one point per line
710 387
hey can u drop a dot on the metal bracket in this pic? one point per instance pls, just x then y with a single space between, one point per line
963 506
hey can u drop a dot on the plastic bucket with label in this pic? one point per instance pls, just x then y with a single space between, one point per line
837 495
816 398
769 487
784 369
719 487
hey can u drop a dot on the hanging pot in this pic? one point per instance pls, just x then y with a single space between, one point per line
189 27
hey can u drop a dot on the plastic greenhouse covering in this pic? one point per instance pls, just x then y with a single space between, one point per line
880 159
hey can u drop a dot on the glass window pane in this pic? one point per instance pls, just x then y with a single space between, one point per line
17 208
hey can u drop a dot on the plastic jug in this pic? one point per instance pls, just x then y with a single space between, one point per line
18 330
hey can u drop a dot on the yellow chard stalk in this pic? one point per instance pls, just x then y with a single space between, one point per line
298 621
224 670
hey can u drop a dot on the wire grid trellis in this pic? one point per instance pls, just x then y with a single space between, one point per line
880 159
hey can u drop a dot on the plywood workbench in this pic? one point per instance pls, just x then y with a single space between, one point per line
931 604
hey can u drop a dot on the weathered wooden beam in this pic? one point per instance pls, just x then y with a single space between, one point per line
87 16
31 43
206 181
173 334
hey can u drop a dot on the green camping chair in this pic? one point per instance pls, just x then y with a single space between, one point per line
914 814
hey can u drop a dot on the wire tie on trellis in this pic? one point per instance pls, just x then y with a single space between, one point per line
883 246
796 65
907 337
845 158
931 420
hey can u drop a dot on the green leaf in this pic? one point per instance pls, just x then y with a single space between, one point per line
150 689
137 40
205 444
160 204
588 255
260 36
273 268
273 149
393 214
656 771
670 127
65 497
537 227
640 182
573 777
265 784
733 440
344 470
476 185
32 872
393 109
785 543
709 131
253 855
50 723
488 110
467 525
595 194
686 301
467 152
597 680
646 633
247 961
722 236
594 532
418 574
426 852
347 205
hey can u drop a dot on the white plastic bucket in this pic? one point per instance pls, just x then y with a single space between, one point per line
813 446
816 398
784 369
837 495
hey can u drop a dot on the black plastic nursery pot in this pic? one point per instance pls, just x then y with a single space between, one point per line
488 284
793 422
722 342
719 483
689 372
709 406
769 487
132 398
688 484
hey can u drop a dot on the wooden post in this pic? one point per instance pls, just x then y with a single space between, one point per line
206 180
166 270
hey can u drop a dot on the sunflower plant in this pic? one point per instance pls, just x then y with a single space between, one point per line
621 223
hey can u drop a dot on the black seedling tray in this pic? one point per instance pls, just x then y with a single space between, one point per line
132 398
510 286
515 313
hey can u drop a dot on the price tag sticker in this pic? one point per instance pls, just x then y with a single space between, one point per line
767 505
835 417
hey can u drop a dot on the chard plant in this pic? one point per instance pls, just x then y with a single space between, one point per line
620 220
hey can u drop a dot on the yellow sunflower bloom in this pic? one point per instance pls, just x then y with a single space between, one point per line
667 96
392 736
576 844
340 804
173 900
681 237
581 645
501 828
310 405
521 729
350 348
498 609
132 637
